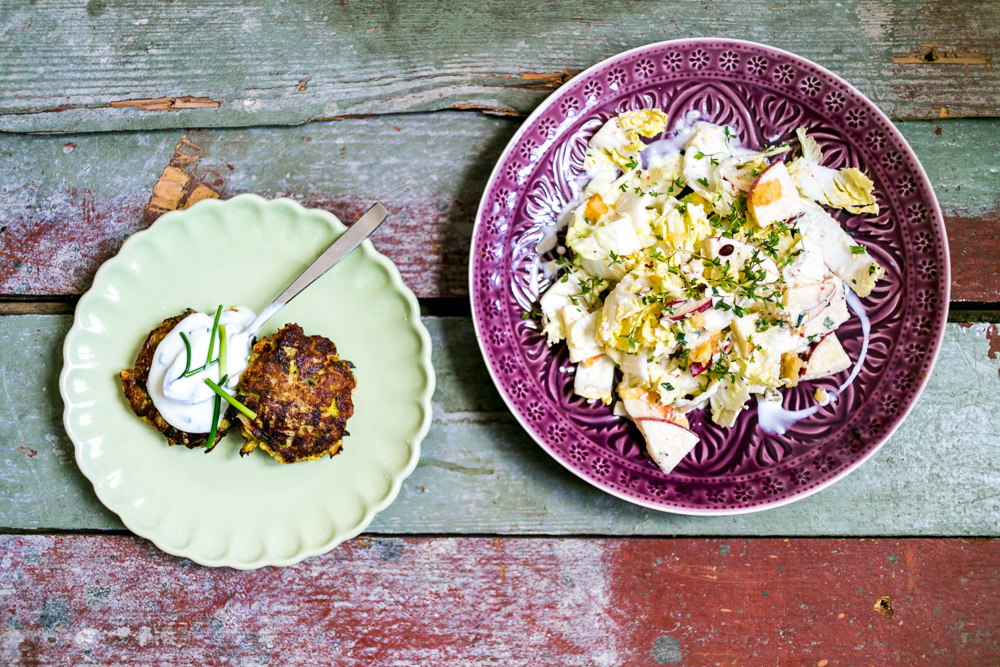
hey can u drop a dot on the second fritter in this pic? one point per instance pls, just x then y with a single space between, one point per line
301 392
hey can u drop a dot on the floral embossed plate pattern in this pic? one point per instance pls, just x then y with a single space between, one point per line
764 93
219 508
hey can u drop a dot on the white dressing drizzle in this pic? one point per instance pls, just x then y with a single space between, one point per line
774 419
187 403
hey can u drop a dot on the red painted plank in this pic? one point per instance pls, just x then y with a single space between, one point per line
55 233
480 601
58 249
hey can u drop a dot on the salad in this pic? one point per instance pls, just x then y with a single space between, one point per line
704 271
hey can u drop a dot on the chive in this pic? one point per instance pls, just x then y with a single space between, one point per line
187 349
210 444
222 352
193 371
232 401
857 250
211 340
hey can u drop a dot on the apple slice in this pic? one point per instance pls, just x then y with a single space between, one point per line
827 358
594 379
690 307
666 442
773 196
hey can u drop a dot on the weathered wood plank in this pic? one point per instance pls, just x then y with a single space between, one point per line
443 601
70 67
67 203
480 472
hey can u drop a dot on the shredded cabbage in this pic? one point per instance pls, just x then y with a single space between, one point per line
672 281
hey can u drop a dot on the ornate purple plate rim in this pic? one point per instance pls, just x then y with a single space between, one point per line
679 498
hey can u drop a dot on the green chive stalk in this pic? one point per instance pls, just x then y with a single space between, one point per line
229 399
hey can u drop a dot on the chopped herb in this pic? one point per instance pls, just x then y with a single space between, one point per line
631 164
703 181
623 187
828 323
195 371
871 269
679 183
667 386
222 352
187 350
216 409
857 250
229 399
699 155
211 340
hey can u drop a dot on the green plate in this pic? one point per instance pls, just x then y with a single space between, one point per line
218 508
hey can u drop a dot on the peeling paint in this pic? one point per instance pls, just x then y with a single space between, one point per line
883 606
548 79
993 337
167 103
934 54
177 188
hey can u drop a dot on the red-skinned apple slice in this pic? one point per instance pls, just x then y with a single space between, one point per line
826 358
690 308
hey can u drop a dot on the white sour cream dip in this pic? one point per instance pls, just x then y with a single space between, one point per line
773 418
187 403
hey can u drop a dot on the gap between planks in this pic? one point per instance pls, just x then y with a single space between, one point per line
959 312
487 535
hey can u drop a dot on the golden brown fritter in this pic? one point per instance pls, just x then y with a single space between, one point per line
301 392
134 384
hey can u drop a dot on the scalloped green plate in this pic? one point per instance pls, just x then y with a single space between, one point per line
219 509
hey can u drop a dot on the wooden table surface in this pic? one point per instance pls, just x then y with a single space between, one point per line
493 554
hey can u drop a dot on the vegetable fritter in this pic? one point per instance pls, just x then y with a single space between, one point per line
134 384
301 392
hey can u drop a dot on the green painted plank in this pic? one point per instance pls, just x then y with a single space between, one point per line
69 201
481 473
66 66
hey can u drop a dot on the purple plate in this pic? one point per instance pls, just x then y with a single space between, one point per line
765 93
